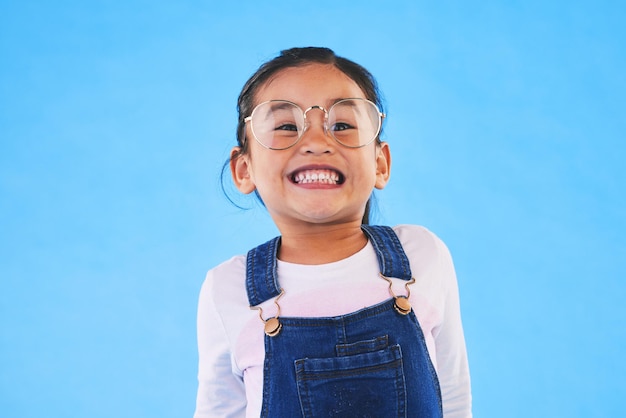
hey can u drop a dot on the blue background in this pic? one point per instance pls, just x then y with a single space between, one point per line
506 124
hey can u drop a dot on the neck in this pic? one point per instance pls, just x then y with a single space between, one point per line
321 244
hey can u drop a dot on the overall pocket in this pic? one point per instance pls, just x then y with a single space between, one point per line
361 385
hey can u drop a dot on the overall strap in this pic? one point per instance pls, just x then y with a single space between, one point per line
261 265
261 277
392 259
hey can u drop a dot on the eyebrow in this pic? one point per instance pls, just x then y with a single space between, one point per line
327 105
334 101
281 104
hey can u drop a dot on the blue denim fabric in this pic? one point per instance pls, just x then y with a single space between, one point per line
370 363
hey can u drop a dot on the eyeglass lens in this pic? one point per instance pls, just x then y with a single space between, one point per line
280 124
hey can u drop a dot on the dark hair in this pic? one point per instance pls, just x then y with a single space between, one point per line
298 57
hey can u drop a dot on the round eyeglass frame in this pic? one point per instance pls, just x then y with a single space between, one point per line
381 116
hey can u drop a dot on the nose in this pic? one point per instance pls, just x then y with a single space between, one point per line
316 138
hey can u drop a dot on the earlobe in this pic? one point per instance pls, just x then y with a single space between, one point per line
383 165
240 171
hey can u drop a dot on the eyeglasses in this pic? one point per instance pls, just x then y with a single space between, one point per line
279 124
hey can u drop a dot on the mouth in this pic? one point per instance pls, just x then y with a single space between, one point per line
317 176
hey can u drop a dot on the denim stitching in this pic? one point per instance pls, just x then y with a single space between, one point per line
369 231
406 268
431 366
270 276
322 375
392 259
262 285
250 282
266 379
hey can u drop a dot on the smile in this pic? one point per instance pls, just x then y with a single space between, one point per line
317 176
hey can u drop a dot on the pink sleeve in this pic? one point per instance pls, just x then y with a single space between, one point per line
451 354
221 392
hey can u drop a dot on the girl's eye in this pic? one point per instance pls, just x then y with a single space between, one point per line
341 126
286 127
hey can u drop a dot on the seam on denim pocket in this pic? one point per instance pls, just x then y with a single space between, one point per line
365 346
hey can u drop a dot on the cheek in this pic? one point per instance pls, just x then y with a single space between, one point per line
369 161
264 165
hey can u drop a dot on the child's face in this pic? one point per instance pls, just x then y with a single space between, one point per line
278 175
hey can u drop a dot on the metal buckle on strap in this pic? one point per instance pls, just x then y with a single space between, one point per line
272 325
401 303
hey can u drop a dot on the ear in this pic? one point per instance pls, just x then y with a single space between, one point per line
383 165
240 170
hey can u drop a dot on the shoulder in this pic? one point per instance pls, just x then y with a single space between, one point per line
425 250
223 306
225 281
419 238
235 265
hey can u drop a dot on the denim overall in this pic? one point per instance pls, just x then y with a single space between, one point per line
370 363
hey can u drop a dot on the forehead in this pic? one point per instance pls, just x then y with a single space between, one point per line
312 84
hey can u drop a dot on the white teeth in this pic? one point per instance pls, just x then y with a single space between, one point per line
316 176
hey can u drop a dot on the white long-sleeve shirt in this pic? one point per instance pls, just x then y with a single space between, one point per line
231 335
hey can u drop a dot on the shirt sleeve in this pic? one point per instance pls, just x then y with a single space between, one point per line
451 354
221 392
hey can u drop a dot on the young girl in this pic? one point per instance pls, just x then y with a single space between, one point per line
335 317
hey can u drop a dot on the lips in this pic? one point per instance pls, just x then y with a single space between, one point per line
317 176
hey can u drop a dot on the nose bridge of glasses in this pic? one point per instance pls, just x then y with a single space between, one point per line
324 116
316 107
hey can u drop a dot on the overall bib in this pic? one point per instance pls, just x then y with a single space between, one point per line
370 363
